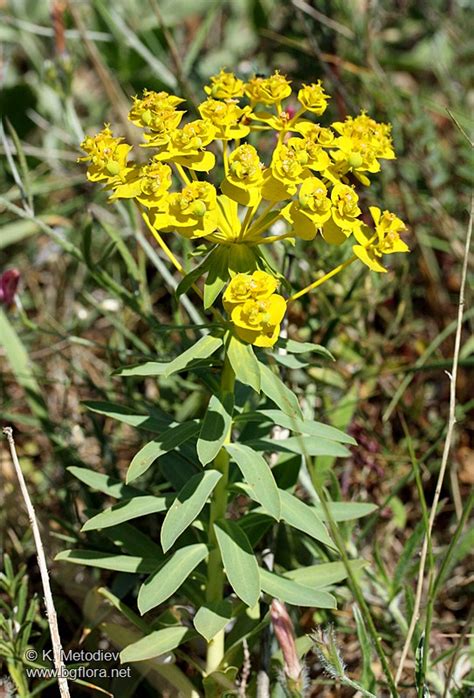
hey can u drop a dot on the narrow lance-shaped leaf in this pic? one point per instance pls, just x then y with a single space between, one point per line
244 363
127 510
107 561
278 392
217 276
160 586
303 517
155 644
187 506
154 423
215 427
104 483
170 439
293 593
204 348
345 511
259 476
324 574
211 618
239 561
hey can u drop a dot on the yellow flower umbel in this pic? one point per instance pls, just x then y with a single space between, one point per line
312 209
210 179
107 156
156 113
225 86
386 240
255 310
192 212
148 184
244 179
313 98
272 90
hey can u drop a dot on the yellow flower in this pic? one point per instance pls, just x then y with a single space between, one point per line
345 209
386 240
186 146
107 156
258 321
314 132
192 212
227 117
148 184
225 86
364 130
243 287
270 90
309 154
313 98
356 156
244 179
286 173
254 308
156 112
311 210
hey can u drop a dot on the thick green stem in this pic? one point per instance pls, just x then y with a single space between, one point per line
215 571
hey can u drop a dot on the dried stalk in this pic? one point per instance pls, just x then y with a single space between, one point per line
48 596
447 447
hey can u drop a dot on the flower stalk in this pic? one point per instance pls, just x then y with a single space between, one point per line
215 571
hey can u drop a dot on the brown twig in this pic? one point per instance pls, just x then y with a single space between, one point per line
48 596
447 447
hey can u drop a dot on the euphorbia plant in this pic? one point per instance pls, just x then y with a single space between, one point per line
225 180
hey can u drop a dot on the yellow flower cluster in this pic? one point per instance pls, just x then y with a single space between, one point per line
305 177
254 308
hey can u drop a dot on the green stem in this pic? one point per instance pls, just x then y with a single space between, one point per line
215 570
354 585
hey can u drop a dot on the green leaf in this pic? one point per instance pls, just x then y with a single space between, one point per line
149 368
308 427
277 391
258 475
104 483
303 517
126 511
211 618
423 689
293 593
244 363
367 680
191 278
303 445
155 644
218 274
239 561
346 511
21 365
304 348
135 542
215 427
187 506
124 414
170 439
107 561
204 348
160 586
325 574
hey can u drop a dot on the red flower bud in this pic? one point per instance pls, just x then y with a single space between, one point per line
8 285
